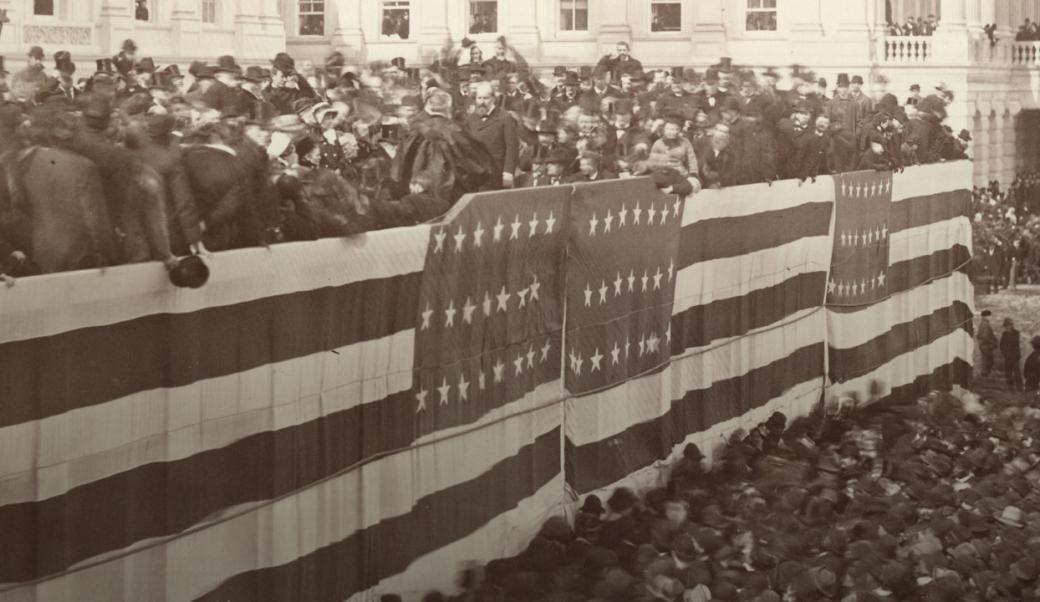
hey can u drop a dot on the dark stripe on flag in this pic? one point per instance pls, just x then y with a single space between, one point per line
164 498
907 275
724 237
957 372
360 561
594 465
929 209
702 324
902 338
51 375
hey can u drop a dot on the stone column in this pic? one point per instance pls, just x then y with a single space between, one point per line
433 28
952 43
709 30
523 28
116 23
984 158
271 18
348 37
615 26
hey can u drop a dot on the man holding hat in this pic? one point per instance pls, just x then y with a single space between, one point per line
27 81
125 61
621 62
496 130
287 86
915 95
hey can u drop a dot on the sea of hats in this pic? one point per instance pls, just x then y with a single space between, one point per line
936 500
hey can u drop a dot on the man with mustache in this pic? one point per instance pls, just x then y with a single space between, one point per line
496 130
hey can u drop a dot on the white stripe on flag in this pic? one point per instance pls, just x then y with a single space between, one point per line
922 241
903 369
743 201
859 327
55 303
717 279
48 457
936 178
271 534
596 417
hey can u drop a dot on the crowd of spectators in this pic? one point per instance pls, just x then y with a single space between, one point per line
1006 232
914 26
1028 31
136 161
937 500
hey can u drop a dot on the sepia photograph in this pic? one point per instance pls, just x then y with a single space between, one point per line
519 300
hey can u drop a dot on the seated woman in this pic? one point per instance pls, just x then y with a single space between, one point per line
673 149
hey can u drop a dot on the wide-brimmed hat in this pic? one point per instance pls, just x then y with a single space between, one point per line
145 65
284 63
562 156
1010 516
256 74
571 79
173 71
227 64
36 52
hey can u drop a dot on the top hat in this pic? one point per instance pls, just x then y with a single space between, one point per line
570 79
559 71
190 272
227 64
843 80
915 88
398 62
105 66
145 65
283 62
725 64
712 76
676 72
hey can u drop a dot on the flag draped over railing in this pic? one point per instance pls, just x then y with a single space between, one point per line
334 419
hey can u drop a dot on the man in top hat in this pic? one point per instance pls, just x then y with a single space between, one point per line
844 114
126 59
711 98
64 69
677 100
223 95
497 132
915 95
26 82
141 81
632 140
570 96
726 72
601 90
987 343
821 89
251 101
620 62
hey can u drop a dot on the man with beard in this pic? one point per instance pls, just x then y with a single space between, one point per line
711 99
499 65
26 82
437 145
845 116
496 130
715 159
569 97
753 144
793 135
621 63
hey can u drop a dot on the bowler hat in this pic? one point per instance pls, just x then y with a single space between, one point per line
915 88
190 272
173 71
711 76
1010 516
36 52
283 62
822 82
857 79
145 65
129 46
571 79
562 156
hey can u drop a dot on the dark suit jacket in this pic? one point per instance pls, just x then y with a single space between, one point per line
601 176
618 67
715 171
182 213
497 132
222 98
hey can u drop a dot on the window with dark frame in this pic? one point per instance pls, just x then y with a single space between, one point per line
483 16
574 15
761 15
209 11
396 19
141 12
43 7
665 15
312 17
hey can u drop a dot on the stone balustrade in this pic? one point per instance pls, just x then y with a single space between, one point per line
905 50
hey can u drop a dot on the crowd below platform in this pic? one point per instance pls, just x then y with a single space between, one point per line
138 162
935 501
1006 232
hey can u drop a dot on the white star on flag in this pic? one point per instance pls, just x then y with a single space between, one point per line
481 381
603 292
478 235
449 314
676 206
518 363
421 398
463 388
884 231
503 299
530 356
617 285
577 364
592 225
514 228
460 237
534 288
671 270
668 334
657 279
614 353
522 293
664 215
596 359
644 279
588 296
467 311
622 216
831 287
497 369
881 279
653 343
636 213
631 280
486 305
844 239
497 230
642 346
650 214
545 351
438 238
444 390
426 316
533 225
628 344
608 222
549 223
